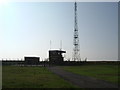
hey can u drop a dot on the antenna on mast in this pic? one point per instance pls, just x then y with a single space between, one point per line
76 49
60 44
50 44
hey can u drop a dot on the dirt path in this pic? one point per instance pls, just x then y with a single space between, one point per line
81 81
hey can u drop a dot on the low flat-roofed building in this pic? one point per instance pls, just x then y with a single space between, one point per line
31 60
55 57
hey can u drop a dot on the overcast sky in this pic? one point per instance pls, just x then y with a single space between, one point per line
27 28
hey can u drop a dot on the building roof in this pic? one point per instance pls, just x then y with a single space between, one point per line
60 51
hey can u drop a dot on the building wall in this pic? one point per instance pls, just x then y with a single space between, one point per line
55 57
31 60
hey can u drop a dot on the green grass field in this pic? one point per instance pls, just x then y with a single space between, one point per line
104 72
31 77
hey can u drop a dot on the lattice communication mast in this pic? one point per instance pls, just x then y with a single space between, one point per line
76 50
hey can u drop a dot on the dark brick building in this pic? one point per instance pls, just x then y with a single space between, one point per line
55 57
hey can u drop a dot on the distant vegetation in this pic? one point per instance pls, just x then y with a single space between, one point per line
31 77
0 75
107 72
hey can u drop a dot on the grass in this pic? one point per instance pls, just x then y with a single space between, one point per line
104 72
31 77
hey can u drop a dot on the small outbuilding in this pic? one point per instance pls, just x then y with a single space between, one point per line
31 60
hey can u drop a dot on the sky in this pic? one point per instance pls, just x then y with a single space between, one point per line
26 29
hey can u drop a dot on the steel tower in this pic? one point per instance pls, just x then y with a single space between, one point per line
76 50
